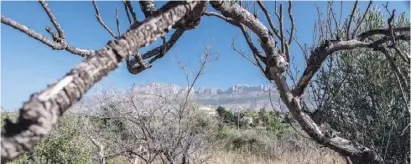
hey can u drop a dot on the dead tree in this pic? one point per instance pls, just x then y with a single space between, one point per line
40 113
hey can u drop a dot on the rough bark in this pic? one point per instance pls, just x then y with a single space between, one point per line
190 21
148 7
41 112
158 51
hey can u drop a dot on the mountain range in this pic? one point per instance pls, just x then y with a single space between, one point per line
236 97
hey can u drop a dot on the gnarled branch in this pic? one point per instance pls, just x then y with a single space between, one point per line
41 112
319 55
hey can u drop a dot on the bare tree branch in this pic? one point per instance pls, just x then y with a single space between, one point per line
284 44
131 10
117 22
41 112
44 40
351 17
400 77
126 9
275 61
392 35
102 158
256 54
242 53
187 23
170 43
319 55
268 17
142 64
157 53
100 20
53 19
390 20
381 31
229 20
290 39
362 19
292 99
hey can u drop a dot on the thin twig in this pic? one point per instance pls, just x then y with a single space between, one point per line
41 38
392 34
131 10
243 30
341 11
337 28
242 53
362 19
284 46
290 39
53 19
390 21
351 17
127 11
399 76
299 44
118 22
403 57
100 20
268 17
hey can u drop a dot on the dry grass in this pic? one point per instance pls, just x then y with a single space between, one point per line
313 157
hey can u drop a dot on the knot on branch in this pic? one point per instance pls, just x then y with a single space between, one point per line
328 131
192 20
277 64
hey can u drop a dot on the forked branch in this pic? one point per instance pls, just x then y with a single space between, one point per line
54 45
100 20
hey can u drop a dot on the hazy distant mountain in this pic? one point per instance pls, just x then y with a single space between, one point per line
237 97
241 96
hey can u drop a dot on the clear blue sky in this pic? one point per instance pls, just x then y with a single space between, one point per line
28 66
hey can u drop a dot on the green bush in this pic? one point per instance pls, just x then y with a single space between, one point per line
62 146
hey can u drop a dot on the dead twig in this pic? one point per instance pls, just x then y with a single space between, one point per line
131 10
53 20
350 20
362 19
127 11
54 45
118 22
268 17
290 15
100 20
